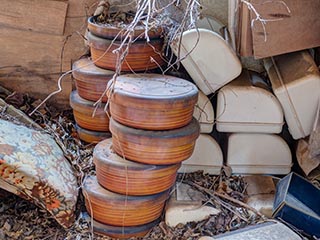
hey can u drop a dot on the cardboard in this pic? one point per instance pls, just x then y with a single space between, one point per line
290 25
294 26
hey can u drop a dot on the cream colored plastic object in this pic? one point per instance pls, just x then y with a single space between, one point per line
243 107
203 112
295 81
254 153
212 63
207 156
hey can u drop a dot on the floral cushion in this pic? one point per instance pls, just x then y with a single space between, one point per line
33 166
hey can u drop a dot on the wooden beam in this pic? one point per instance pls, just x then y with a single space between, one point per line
36 85
39 52
34 15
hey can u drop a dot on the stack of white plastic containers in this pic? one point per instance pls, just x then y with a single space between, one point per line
206 56
250 112
253 116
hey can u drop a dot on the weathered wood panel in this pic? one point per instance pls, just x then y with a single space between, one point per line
36 51
31 63
81 8
286 31
35 15
36 85
43 53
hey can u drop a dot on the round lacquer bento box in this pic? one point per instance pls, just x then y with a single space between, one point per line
121 210
123 176
152 101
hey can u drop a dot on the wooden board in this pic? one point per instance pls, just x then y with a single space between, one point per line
245 32
30 61
81 8
36 85
293 31
34 15
35 51
78 12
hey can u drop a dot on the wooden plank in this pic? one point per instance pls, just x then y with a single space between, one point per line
34 15
288 31
81 8
78 13
36 85
31 64
246 49
36 51
39 52
75 25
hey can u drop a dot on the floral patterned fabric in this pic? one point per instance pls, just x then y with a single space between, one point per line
33 166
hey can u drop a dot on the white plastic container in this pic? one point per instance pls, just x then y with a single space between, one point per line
203 112
208 59
245 105
207 156
257 153
295 81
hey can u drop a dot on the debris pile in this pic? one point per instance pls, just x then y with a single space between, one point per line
251 123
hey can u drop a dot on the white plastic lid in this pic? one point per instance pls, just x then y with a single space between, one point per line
243 107
207 156
203 112
254 153
208 59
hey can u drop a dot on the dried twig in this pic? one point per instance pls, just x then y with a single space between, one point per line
224 196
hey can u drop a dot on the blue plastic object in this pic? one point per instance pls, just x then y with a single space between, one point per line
297 202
